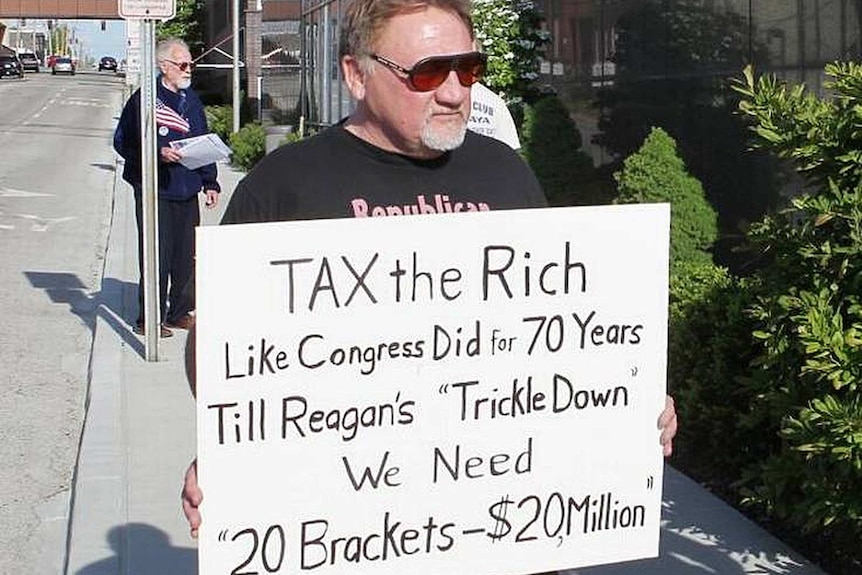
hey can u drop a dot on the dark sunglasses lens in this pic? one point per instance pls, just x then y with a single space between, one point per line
187 66
428 75
470 70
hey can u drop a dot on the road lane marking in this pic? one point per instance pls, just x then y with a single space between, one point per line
42 224
11 193
89 103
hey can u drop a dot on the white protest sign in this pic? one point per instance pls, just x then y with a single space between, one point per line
463 393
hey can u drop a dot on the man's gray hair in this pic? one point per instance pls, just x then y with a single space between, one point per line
166 46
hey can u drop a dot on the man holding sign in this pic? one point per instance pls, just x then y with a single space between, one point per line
405 150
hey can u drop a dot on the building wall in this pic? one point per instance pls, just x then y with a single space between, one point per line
60 9
622 67
800 36
269 54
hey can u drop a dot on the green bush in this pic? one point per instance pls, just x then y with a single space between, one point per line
512 33
291 137
808 373
551 144
248 145
767 370
656 173
220 120
709 351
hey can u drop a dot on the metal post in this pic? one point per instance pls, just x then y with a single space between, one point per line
260 98
235 65
50 42
149 178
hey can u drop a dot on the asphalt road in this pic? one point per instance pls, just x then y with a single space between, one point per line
56 178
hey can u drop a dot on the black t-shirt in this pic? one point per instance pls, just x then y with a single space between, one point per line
338 175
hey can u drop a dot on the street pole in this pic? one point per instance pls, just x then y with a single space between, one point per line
50 42
235 26
152 327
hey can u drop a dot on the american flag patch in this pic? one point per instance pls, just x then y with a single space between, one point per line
166 116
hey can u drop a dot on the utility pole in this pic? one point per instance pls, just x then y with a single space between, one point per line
50 26
236 97
145 16
149 175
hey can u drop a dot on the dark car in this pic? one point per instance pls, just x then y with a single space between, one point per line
29 61
107 63
11 66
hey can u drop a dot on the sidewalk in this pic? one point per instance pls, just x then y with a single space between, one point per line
139 438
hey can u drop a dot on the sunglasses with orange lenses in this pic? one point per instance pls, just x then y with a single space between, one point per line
183 66
429 73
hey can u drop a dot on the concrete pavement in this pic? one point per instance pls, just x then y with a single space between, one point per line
139 437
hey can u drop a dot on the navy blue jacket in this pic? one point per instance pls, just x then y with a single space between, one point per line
176 182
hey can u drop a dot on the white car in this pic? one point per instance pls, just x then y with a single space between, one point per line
63 65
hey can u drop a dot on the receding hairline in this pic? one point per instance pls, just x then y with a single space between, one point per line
358 40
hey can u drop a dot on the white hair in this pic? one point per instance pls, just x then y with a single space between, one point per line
167 46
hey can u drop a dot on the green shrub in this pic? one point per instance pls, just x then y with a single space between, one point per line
551 145
808 373
709 351
220 120
290 138
248 145
656 173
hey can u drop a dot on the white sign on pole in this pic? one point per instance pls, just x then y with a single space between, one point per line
147 9
471 394
133 48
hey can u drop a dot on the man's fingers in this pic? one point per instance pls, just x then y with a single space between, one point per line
668 423
193 516
192 497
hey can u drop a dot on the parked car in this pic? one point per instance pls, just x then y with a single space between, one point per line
11 66
63 65
108 63
29 61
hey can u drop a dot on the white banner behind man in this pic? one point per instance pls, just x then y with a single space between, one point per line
465 393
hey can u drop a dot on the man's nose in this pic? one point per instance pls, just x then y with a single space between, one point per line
451 92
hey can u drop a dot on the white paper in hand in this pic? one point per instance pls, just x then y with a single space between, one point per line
201 150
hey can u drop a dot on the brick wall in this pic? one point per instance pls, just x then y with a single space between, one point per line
60 9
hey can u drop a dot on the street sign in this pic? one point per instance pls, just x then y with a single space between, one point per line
133 49
147 9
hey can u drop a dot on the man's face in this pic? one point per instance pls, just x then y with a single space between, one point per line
418 124
173 75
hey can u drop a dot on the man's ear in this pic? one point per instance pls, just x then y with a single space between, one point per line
354 76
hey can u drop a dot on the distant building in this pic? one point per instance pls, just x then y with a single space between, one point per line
290 65
270 46
798 38
25 39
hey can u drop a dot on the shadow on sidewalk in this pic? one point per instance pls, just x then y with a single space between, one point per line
156 555
109 303
679 555
704 547
106 167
